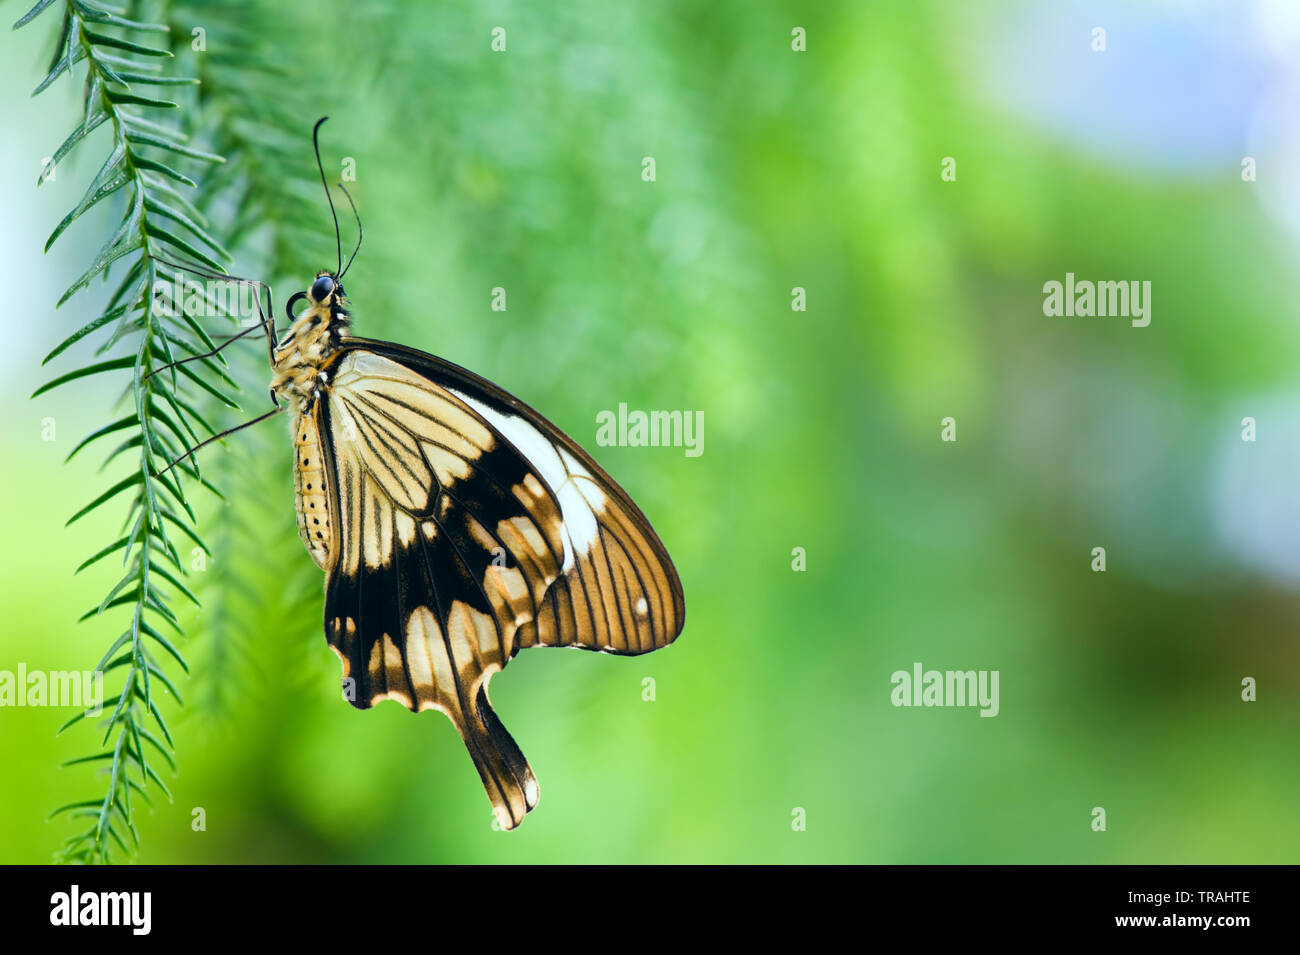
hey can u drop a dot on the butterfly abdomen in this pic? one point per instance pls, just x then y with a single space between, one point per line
310 493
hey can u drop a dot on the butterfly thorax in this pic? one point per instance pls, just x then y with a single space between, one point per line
303 353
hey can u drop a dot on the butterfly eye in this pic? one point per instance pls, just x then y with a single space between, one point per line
321 288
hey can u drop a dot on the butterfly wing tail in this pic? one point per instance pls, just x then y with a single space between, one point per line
506 775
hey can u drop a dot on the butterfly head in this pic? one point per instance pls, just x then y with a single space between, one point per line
326 291
326 317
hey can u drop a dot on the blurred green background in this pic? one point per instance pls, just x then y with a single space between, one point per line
775 169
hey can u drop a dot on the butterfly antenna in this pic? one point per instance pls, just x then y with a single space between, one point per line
315 141
356 215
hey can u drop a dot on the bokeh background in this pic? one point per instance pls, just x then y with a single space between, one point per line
775 169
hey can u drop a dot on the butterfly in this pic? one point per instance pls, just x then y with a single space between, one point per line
455 526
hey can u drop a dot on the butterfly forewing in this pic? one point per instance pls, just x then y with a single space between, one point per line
616 589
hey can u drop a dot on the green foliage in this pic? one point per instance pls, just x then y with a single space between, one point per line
125 63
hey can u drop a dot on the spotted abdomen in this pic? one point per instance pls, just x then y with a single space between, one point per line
310 491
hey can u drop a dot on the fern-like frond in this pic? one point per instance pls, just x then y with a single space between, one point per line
148 166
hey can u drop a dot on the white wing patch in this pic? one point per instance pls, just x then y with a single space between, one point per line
580 497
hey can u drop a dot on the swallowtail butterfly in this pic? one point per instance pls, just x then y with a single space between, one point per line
456 526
